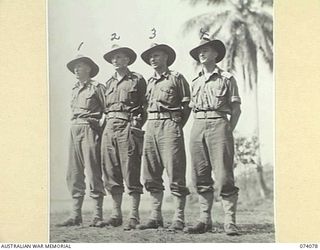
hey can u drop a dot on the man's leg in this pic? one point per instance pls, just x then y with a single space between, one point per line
174 159
111 167
152 174
201 177
221 148
130 145
91 146
75 177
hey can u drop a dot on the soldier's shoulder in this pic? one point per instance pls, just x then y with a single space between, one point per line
96 84
175 73
137 75
226 74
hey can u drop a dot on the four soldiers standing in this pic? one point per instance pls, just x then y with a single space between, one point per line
166 102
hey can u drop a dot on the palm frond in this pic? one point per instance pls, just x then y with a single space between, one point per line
267 3
208 2
208 21
247 55
231 49
260 28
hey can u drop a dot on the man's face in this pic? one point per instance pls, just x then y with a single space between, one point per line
120 60
158 59
207 55
82 70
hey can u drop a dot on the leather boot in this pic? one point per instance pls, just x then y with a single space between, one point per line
98 214
229 205
205 221
155 220
116 216
178 218
75 218
134 219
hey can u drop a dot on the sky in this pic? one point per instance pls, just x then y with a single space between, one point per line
71 22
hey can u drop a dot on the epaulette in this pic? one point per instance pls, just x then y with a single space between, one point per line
175 73
226 74
95 83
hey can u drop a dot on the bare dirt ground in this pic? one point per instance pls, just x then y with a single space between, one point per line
256 222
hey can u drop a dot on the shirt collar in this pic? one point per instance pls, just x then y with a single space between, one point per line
216 72
78 85
164 74
128 74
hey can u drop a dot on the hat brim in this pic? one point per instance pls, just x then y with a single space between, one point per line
163 47
216 44
129 52
94 67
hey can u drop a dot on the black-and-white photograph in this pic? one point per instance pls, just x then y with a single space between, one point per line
161 119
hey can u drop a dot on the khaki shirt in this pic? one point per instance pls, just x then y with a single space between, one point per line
167 92
126 95
215 93
87 100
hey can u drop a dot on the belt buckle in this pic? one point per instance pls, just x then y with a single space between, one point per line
158 116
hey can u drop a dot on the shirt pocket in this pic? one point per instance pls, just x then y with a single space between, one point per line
85 99
167 95
220 94
129 95
111 95
195 96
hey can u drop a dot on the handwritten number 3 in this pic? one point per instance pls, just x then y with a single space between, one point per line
154 33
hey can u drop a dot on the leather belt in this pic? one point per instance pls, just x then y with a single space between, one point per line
163 115
210 114
79 121
120 115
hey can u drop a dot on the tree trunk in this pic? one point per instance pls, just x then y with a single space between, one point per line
264 190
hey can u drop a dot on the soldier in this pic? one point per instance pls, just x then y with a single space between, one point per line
214 97
122 138
84 149
168 96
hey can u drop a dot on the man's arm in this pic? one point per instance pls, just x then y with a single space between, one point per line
185 113
184 92
235 114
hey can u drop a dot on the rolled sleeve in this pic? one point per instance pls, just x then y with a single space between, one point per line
101 89
184 90
142 86
233 91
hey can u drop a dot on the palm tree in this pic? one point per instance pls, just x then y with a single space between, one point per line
247 30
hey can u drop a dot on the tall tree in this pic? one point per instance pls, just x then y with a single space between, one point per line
247 30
